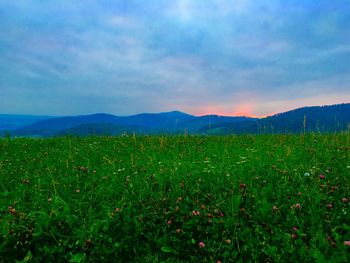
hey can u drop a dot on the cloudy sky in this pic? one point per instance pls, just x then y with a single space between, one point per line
228 57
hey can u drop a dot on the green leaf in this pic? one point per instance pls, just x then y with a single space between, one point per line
78 258
28 257
5 227
271 251
167 249
318 256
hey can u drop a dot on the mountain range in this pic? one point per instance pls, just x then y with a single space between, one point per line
332 118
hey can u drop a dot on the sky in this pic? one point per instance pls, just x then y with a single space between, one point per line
226 57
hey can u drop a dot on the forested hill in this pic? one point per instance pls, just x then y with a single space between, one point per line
333 118
309 119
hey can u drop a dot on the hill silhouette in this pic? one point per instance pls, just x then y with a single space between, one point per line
332 118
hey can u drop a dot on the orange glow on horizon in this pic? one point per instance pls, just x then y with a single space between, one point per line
243 109
254 108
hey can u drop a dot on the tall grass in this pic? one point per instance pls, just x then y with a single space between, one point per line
263 198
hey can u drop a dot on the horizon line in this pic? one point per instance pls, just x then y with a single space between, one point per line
176 110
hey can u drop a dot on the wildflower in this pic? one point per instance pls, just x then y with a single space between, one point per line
345 200
25 181
322 176
221 214
294 236
84 169
242 186
178 231
12 210
182 185
201 244
274 209
329 206
195 213
294 229
228 241
77 191
347 243
117 210
306 174
297 206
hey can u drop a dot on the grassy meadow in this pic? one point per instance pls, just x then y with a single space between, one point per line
261 198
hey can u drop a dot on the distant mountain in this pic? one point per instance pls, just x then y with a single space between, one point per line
99 129
12 122
331 118
150 121
50 127
146 123
309 119
189 125
155 120
175 114
208 121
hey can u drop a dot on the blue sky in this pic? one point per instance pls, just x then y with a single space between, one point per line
243 57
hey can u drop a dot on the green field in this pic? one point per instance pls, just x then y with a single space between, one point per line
263 198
